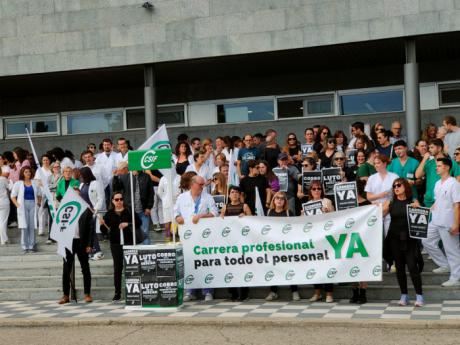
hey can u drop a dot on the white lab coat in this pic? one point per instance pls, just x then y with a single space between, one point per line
185 206
18 193
108 165
164 192
96 195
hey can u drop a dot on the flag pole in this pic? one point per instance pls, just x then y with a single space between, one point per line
133 216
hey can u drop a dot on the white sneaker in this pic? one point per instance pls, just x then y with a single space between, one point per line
393 269
189 297
208 297
41 233
295 296
13 225
97 256
451 283
441 270
271 296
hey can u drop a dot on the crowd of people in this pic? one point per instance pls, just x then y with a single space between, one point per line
387 169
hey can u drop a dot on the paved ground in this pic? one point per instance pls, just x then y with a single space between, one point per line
224 309
229 334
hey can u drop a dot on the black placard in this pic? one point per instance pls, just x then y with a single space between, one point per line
131 260
331 176
166 262
167 291
149 293
148 262
345 195
351 157
219 201
312 208
308 177
133 291
282 175
417 220
306 149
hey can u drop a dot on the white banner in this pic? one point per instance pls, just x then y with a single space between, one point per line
343 246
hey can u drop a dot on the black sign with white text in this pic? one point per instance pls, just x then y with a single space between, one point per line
331 176
308 177
282 175
220 201
312 208
346 195
417 220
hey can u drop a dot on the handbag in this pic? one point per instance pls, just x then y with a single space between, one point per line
139 234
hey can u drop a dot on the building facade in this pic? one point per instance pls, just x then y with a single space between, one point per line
76 71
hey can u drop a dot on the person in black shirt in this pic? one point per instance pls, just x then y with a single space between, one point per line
248 187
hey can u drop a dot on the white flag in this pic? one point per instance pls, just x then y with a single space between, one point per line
66 219
159 140
232 175
259 207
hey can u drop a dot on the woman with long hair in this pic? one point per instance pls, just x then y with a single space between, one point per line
182 157
220 184
399 246
20 161
117 222
316 193
43 212
264 170
279 207
429 133
329 149
4 209
308 164
292 148
341 140
323 133
26 197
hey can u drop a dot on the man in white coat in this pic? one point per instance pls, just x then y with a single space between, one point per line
192 206
444 224
107 161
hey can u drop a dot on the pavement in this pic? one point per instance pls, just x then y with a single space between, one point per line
223 309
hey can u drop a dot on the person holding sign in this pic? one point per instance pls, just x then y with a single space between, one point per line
192 206
236 208
316 193
399 246
329 149
444 224
287 176
308 166
248 187
279 208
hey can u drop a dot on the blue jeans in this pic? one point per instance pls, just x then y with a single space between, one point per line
145 226
203 291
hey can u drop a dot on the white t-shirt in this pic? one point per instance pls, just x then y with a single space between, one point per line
446 194
376 185
452 140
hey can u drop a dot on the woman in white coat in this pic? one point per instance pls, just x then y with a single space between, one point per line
4 209
164 194
27 198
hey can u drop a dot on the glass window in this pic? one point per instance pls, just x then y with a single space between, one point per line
305 106
372 102
244 112
449 94
135 118
35 125
104 121
166 114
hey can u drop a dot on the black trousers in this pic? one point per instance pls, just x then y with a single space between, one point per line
84 264
326 287
117 255
274 289
403 258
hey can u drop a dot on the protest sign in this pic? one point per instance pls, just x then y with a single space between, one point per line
331 176
346 195
344 246
220 201
417 220
312 208
306 149
308 177
282 175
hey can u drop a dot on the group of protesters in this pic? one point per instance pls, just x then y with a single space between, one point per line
387 169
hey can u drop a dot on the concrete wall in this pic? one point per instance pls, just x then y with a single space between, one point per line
39 36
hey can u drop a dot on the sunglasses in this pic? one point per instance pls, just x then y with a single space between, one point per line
331 141
456 153
279 198
305 165
339 158
118 199
397 185
316 189
292 138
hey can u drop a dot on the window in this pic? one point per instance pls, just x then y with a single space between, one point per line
95 122
305 106
449 94
166 114
244 112
372 102
36 125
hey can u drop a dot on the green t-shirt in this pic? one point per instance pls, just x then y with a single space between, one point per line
366 170
407 171
431 177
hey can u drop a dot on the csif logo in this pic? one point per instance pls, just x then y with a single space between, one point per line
307 227
248 277
349 223
289 275
328 225
265 229
209 278
189 279
245 230
269 276
286 228
206 232
332 273
68 214
377 270
187 234
162 144
354 271
228 277
226 231
148 159
372 220
310 273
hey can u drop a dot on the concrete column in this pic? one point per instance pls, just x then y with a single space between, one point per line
150 100
412 93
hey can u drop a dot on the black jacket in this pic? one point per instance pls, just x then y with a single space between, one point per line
113 220
121 183
86 227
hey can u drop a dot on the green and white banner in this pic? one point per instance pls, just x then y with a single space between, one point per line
336 247
149 159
